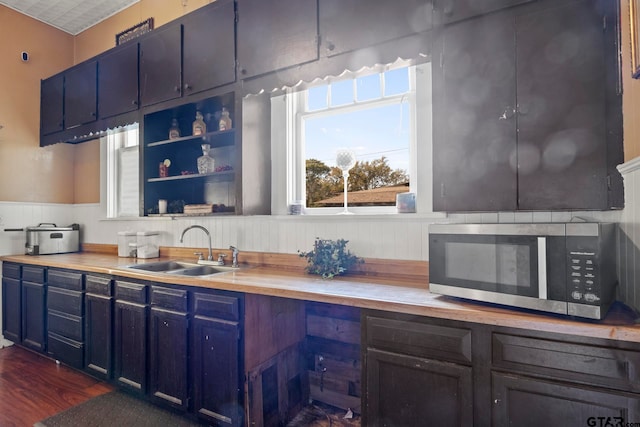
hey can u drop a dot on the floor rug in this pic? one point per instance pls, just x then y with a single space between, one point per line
321 415
116 409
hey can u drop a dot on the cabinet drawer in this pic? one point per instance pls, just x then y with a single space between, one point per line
172 299
66 301
33 274
66 350
219 306
134 292
65 279
419 339
523 401
10 270
98 285
67 325
569 361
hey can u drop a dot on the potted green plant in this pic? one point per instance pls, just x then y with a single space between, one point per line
330 258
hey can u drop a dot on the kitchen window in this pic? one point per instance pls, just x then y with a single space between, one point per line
120 172
383 115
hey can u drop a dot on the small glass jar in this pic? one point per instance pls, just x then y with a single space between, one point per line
199 126
174 130
206 163
225 120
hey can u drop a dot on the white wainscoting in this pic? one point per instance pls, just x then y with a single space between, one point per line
403 236
629 243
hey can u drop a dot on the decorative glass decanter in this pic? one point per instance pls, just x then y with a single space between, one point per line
206 163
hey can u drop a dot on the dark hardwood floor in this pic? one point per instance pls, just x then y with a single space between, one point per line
34 387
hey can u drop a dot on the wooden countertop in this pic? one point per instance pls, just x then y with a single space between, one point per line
401 295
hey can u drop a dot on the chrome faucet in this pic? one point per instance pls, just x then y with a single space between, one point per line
210 257
234 255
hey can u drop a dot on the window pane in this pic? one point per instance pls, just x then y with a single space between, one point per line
378 135
317 98
342 93
128 189
122 166
396 81
368 87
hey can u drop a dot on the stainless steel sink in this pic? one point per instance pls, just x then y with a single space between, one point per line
162 266
181 268
202 270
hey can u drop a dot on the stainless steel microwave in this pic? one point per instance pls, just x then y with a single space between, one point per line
564 268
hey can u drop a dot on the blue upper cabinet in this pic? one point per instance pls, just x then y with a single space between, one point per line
52 104
209 48
275 35
448 11
160 65
80 95
526 112
347 25
118 81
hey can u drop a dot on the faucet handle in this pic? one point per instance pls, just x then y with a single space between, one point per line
200 255
221 258
234 254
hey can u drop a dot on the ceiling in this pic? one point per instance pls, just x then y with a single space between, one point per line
72 16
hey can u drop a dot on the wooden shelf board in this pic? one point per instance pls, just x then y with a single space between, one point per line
207 137
222 176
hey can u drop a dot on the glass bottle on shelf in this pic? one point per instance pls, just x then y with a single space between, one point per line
199 126
174 130
225 120
206 163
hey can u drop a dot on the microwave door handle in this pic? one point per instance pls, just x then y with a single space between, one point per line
542 267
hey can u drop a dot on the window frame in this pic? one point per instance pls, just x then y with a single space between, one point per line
296 102
111 147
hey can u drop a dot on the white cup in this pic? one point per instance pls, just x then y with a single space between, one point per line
162 206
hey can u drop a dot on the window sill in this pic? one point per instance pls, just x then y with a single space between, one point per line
368 216
304 217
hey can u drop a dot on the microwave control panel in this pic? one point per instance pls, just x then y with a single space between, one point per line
583 278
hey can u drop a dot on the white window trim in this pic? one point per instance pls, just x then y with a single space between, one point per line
285 134
299 167
109 173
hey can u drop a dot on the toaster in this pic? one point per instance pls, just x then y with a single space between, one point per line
47 238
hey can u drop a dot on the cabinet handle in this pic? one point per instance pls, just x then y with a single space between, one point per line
243 71
523 110
187 86
134 102
176 88
508 113
331 46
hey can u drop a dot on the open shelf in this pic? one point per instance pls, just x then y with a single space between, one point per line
208 138
220 176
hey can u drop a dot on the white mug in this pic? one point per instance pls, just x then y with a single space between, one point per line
162 206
